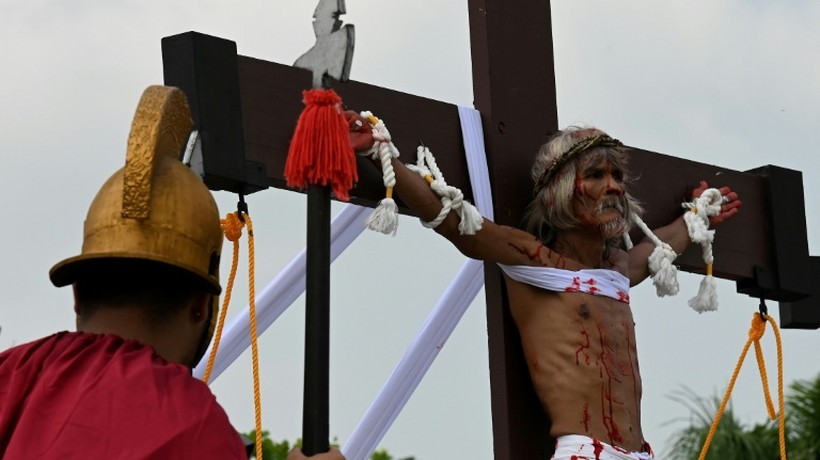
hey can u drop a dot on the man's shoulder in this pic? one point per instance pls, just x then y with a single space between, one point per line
105 360
108 388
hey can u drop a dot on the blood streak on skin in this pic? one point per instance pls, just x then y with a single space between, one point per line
582 349
560 263
586 418
632 367
607 401
537 254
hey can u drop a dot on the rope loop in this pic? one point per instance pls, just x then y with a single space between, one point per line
452 199
232 226
756 331
697 224
661 261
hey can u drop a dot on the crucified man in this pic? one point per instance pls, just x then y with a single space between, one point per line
568 276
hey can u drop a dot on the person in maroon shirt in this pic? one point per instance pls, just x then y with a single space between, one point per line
146 288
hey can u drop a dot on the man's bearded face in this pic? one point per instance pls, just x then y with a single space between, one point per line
613 227
600 199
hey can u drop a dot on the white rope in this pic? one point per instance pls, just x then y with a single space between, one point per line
452 199
627 241
660 262
697 224
439 324
697 220
385 218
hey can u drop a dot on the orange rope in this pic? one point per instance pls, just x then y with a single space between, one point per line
232 227
781 404
755 333
257 397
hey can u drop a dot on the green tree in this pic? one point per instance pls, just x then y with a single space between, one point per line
272 450
803 419
732 440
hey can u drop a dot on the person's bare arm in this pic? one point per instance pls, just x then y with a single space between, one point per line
493 243
676 234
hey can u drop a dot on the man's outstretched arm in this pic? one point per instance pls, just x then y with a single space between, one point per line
676 234
493 243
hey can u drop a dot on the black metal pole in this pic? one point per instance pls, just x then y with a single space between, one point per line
315 423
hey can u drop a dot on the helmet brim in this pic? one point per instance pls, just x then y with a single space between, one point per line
70 270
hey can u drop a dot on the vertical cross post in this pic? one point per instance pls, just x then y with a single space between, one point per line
514 89
316 406
331 56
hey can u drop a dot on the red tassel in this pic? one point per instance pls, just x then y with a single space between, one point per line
320 152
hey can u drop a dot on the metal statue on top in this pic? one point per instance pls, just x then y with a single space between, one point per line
332 54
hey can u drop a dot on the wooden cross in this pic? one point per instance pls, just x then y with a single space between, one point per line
245 110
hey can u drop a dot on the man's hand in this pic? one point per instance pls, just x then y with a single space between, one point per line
332 454
361 134
731 203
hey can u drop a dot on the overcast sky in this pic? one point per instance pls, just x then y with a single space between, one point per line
733 83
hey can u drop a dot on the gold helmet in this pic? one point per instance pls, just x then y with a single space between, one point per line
155 208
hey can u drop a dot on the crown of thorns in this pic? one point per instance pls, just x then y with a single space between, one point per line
601 140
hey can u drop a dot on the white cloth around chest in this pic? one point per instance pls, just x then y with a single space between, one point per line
595 281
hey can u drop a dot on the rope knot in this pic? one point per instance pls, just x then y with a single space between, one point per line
385 218
697 223
232 226
661 261
452 199
757 329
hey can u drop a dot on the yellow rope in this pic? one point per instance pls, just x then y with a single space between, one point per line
232 227
755 333
781 403
257 397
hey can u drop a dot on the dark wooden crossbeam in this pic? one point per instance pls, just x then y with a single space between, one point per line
268 103
764 249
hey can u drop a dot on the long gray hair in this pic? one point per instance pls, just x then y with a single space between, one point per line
554 171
